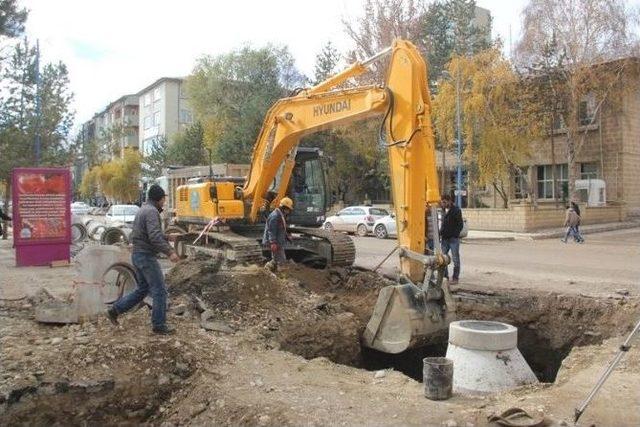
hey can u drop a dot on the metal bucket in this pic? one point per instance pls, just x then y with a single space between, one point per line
438 378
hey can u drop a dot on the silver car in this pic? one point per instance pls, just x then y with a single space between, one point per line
386 227
355 219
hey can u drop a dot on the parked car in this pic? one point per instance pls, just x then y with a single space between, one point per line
80 208
122 213
355 219
386 226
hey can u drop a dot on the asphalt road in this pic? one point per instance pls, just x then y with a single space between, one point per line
605 263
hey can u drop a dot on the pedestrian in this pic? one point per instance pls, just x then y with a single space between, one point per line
571 221
275 233
3 217
450 235
148 240
576 208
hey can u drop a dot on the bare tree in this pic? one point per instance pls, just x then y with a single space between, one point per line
593 47
383 21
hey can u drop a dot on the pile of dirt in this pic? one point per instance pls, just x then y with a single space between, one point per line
312 313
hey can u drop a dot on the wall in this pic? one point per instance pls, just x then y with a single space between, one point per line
528 218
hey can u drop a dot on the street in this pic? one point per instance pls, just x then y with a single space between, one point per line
605 263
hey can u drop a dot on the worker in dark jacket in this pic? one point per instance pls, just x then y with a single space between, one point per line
3 217
450 234
275 233
148 240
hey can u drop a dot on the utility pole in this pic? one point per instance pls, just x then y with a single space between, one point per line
37 141
459 144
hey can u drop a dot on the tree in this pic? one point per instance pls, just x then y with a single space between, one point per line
499 118
382 22
449 29
156 158
326 63
19 120
234 92
12 18
117 179
595 43
188 147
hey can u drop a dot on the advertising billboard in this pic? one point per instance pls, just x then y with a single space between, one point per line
41 215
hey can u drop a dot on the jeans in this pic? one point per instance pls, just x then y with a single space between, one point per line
149 279
573 232
453 244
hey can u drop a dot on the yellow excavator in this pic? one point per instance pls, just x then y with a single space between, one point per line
221 215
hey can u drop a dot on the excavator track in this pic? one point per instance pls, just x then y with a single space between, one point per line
343 250
234 247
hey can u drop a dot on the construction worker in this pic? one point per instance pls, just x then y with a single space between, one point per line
148 240
450 229
275 233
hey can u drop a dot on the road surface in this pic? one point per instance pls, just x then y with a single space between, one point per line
605 263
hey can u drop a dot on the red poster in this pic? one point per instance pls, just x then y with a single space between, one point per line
41 214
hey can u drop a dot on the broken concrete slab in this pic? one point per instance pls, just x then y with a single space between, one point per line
208 324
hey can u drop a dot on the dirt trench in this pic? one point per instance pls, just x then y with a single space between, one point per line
93 374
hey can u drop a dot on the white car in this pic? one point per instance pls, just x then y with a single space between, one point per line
80 208
386 227
355 219
122 213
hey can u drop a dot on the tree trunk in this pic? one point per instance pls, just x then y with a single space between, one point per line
5 232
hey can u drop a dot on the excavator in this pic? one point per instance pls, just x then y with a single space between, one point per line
221 215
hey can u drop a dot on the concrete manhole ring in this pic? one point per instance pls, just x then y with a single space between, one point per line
483 335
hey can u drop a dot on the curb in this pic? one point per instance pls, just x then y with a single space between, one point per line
556 234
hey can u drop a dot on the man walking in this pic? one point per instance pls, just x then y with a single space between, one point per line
275 233
571 221
450 234
148 240
3 217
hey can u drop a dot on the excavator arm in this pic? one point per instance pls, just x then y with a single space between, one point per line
408 313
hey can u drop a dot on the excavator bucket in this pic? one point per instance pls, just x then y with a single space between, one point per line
407 316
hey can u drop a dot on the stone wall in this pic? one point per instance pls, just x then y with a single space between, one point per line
528 218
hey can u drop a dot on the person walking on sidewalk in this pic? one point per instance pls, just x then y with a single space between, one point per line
576 208
3 217
148 240
450 234
571 221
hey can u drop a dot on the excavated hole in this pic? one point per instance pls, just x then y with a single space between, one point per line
549 326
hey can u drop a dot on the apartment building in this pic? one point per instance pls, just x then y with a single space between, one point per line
163 111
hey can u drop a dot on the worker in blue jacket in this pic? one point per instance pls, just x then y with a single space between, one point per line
275 233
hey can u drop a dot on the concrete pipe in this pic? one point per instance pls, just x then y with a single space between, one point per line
78 233
486 357
115 235
95 230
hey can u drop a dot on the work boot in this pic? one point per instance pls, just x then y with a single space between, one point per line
112 314
163 330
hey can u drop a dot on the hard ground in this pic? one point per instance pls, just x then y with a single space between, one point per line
293 357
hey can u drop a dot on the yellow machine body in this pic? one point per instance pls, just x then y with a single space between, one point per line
200 203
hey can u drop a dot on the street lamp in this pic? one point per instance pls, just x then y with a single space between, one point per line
458 139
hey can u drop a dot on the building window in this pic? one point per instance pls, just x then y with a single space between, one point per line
588 170
147 99
546 189
520 184
586 109
156 94
156 118
185 116
147 122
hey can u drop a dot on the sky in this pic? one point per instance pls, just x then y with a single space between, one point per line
117 47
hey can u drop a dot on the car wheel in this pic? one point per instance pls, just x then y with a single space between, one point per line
328 226
381 231
362 230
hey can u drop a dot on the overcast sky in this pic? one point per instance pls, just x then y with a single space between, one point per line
117 47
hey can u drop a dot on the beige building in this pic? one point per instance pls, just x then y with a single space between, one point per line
607 168
163 111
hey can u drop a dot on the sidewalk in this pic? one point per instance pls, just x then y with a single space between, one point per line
481 235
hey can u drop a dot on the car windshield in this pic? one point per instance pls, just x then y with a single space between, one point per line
380 212
124 210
